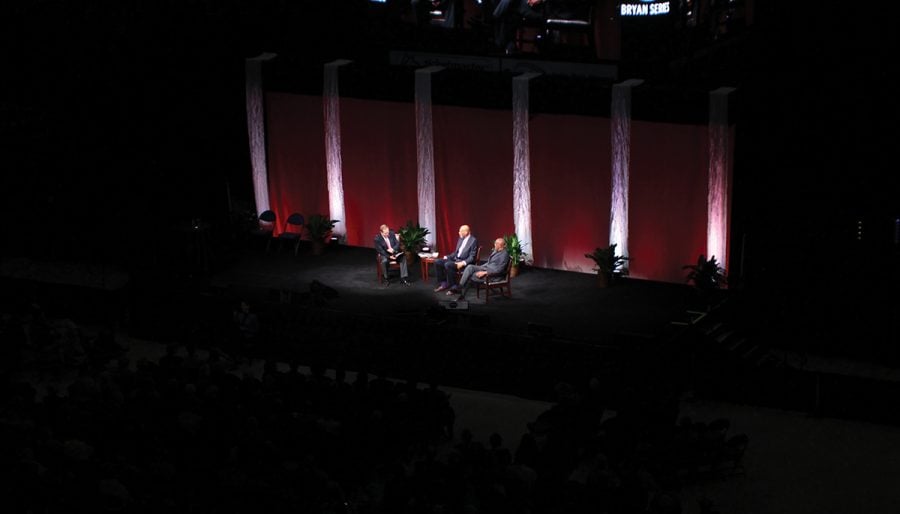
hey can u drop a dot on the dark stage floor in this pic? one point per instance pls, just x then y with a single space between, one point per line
330 309
569 305
557 327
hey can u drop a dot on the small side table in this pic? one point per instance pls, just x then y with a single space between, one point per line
426 263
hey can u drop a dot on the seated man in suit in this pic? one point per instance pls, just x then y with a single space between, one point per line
388 247
495 265
464 255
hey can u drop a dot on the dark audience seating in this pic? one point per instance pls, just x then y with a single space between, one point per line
195 430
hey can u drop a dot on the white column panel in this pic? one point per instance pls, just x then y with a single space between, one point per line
620 115
425 152
256 130
522 164
332 106
719 171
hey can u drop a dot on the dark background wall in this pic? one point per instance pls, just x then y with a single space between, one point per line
122 118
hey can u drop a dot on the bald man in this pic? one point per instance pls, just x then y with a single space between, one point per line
445 269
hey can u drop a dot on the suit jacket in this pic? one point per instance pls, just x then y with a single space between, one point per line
381 247
468 254
497 263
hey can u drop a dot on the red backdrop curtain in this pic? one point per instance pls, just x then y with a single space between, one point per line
570 190
378 141
295 153
667 215
473 158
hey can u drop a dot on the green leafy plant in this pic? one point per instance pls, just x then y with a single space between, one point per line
320 227
608 262
706 274
514 247
412 237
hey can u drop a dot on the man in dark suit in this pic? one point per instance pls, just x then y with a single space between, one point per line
464 255
388 247
495 265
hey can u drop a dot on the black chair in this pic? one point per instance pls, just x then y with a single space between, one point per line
574 29
265 228
292 231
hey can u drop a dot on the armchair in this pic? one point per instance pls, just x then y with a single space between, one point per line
494 285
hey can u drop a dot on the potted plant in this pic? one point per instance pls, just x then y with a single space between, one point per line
706 276
609 265
516 255
412 239
319 227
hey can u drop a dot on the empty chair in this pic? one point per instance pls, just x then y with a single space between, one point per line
570 27
265 228
292 231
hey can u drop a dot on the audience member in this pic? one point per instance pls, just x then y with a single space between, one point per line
247 322
508 18
510 15
292 441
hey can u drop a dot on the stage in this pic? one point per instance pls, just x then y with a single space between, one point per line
330 308
568 305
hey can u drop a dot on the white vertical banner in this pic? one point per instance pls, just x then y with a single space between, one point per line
333 163
425 152
522 163
719 171
620 114
256 130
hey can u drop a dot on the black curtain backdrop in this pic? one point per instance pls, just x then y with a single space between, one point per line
473 162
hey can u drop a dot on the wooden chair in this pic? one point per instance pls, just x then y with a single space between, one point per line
391 265
498 284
